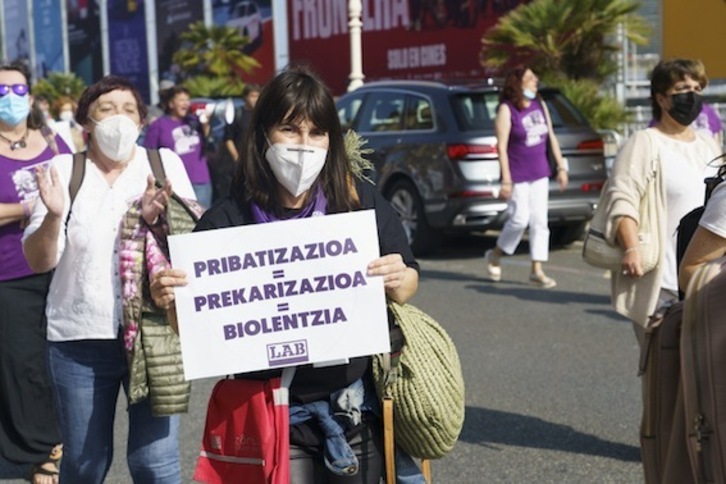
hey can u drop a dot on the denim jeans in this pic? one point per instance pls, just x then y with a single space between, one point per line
87 376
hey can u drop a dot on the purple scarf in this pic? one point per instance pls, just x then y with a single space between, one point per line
317 206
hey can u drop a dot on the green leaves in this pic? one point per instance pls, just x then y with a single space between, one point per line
59 84
574 39
212 60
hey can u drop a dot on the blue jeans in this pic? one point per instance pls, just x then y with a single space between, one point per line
87 376
203 191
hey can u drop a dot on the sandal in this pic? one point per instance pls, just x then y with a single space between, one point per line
50 467
541 280
494 271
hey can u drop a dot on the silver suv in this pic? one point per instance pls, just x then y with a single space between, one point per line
435 157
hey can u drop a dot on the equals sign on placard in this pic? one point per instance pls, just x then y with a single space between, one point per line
278 274
283 307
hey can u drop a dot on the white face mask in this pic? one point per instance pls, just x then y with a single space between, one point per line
296 167
116 136
66 116
529 94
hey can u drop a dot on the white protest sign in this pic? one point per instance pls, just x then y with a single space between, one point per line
279 294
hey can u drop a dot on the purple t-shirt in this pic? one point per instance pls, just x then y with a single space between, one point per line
184 140
17 184
527 148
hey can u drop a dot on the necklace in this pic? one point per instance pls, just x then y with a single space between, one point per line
15 145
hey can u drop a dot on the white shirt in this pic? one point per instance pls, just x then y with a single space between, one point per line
684 165
84 301
714 217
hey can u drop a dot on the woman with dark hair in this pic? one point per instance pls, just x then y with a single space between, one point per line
671 159
523 129
183 132
87 360
296 166
28 425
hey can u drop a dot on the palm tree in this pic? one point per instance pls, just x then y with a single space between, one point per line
59 84
215 53
563 38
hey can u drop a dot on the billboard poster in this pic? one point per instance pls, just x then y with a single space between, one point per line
172 19
402 39
16 30
48 37
127 43
253 19
84 39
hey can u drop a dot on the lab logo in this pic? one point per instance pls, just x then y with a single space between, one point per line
288 352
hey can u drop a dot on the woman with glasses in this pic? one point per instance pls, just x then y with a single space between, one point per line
28 426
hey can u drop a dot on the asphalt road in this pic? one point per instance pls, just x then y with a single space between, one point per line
552 393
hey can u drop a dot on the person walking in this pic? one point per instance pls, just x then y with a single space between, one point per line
29 434
79 241
295 124
682 156
523 129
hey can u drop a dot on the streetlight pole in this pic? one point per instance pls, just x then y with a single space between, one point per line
355 10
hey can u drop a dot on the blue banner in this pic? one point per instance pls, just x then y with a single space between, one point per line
48 37
84 39
16 30
127 43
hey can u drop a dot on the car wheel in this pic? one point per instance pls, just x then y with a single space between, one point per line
407 203
564 235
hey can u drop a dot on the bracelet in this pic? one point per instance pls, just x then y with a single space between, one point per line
562 168
506 184
631 249
26 209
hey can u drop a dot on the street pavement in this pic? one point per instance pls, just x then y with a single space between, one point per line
552 393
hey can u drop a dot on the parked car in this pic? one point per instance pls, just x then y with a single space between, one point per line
435 157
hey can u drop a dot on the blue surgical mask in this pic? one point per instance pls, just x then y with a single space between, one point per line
14 109
529 94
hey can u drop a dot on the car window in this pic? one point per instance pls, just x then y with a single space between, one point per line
382 112
419 113
475 111
562 112
347 110
253 8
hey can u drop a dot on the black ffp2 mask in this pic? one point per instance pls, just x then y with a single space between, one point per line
685 107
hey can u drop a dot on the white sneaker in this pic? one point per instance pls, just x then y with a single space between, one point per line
495 272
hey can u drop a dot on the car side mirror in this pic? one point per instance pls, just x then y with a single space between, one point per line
229 111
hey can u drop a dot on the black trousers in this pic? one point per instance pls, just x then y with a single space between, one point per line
307 466
28 422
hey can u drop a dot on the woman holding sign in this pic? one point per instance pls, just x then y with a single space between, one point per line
296 166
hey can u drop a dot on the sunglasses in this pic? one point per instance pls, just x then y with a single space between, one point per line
19 89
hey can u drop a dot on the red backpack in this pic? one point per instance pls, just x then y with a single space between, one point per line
247 434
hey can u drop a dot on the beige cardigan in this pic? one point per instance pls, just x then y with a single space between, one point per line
634 298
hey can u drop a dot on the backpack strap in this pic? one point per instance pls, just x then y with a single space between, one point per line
77 174
157 167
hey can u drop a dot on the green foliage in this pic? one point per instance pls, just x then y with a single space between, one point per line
603 112
576 39
59 84
206 86
212 60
